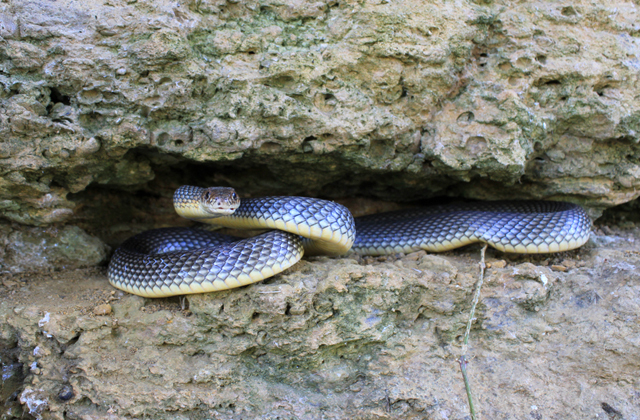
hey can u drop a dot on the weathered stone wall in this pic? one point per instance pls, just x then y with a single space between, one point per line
106 107
383 99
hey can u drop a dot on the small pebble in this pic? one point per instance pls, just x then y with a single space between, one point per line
569 263
556 267
104 309
9 283
499 264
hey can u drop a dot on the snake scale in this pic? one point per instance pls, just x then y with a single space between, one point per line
176 261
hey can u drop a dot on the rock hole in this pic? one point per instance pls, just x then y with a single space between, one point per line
270 147
280 81
55 184
179 142
506 66
163 139
71 342
568 11
57 97
465 118
542 59
306 144
144 73
483 59
65 393
552 83
476 144
255 315
287 311
600 90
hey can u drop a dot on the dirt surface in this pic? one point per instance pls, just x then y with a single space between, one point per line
556 337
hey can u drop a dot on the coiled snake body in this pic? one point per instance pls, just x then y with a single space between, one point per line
176 261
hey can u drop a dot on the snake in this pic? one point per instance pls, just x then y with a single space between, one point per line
179 260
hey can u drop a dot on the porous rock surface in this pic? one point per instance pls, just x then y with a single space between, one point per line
395 101
554 337
107 107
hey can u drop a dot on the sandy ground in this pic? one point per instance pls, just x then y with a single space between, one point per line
556 337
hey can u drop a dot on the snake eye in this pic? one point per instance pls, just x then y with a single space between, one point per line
234 196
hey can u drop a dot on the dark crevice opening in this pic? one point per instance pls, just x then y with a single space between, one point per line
57 97
626 215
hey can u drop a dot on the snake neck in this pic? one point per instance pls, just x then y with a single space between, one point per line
328 226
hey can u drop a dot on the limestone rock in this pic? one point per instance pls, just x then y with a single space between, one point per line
38 249
392 101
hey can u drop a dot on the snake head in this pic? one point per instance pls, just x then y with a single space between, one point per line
220 201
